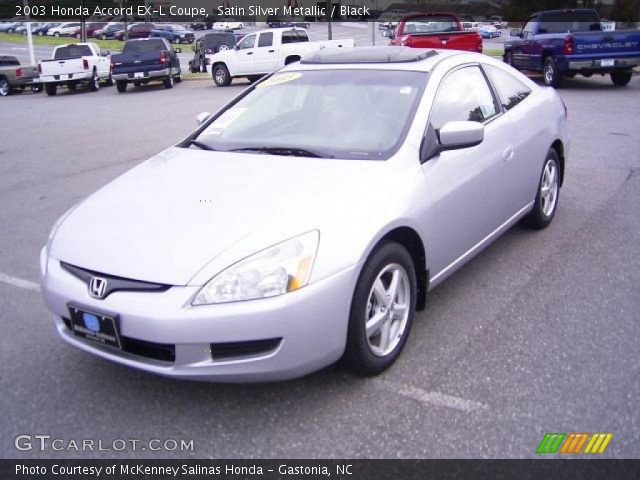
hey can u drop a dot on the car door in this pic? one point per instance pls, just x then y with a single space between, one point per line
466 199
265 56
523 48
244 61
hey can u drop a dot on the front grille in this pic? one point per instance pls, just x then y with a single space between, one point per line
243 349
157 351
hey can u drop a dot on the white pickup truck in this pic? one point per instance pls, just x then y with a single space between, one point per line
263 52
73 64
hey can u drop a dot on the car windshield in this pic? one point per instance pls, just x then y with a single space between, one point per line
349 114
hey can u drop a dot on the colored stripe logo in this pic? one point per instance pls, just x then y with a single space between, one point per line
573 443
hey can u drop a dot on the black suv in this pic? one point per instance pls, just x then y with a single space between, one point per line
209 44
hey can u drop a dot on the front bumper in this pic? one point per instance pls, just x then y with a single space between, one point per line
311 323
147 75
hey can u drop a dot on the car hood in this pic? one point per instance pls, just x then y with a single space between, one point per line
169 217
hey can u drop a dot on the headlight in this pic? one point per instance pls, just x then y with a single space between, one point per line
283 268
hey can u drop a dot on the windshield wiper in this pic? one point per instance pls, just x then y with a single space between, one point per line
285 151
199 144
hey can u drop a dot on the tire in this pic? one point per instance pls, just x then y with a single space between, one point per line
109 81
94 83
51 89
508 58
178 77
371 353
621 79
221 76
36 88
203 66
57 34
222 47
168 82
5 88
103 36
552 76
121 86
545 206
41 34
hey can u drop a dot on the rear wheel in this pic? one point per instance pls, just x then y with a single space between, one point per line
51 88
94 83
382 310
546 202
552 76
168 82
121 86
36 88
621 79
178 77
221 75
5 88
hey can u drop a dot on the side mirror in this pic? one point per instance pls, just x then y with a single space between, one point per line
452 136
387 33
177 50
516 32
201 117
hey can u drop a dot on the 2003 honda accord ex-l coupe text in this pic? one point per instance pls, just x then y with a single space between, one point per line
305 222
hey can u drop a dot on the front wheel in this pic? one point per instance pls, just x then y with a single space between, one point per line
508 58
552 76
382 310
546 202
621 79
221 75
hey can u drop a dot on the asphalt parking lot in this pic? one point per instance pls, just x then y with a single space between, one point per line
538 334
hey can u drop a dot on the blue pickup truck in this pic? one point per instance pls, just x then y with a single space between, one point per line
565 43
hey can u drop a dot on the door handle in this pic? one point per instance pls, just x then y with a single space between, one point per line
249 53
271 51
508 154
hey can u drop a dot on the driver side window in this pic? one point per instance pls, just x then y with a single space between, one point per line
529 27
464 95
247 42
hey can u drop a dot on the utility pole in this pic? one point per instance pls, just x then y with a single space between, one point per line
329 19
32 54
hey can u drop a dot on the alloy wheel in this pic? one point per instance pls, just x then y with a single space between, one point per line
549 187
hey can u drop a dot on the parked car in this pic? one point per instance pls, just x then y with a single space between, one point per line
228 24
64 30
498 21
470 26
434 30
209 44
10 26
75 64
203 23
263 52
14 76
136 30
566 43
92 27
42 29
287 270
22 28
489 31
146 60
109 31
174 33
275 21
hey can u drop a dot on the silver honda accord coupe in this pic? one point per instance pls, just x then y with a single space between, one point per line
306 221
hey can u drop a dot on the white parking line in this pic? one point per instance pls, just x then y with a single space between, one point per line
19 282
432 398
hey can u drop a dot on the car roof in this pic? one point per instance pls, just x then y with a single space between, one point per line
384 57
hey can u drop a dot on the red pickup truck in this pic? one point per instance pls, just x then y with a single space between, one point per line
434 30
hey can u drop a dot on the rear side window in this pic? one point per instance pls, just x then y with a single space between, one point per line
72 51
266 39
138 46
6 61
464 95
511 90
290 36
569 21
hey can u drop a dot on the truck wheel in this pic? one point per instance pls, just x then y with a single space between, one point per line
109 81
508 58
178 77
94 83
168 82
121 85
221 75
552 76
36 88
203 66
621 79
5 88
51 89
